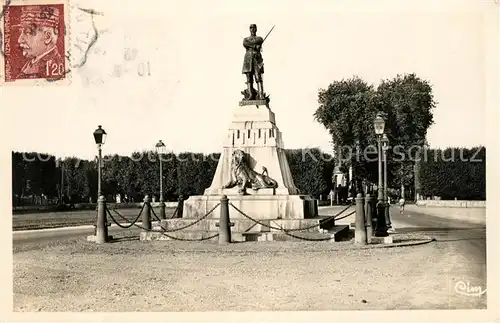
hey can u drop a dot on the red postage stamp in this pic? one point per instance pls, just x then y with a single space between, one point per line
34 42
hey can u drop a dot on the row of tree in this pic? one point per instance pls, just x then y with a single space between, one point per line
136 175
452 173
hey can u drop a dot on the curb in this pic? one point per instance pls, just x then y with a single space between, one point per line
78 227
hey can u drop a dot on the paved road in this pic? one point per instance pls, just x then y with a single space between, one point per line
472 236
30 236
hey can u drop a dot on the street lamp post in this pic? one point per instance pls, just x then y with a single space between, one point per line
101 227
160 149
381 229
385 147
100 138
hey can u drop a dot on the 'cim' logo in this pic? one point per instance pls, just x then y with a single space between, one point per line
468 290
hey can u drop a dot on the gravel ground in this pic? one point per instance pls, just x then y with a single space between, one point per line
75 275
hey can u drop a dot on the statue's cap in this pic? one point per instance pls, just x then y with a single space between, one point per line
253 25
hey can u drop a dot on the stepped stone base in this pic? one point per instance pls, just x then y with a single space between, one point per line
336 233
242 225
256 206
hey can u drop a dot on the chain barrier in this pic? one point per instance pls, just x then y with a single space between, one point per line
154 213
320 239
298 229
163 233
338 214
287 231
175 238
123 226
345 216
175 211
193 223
171 217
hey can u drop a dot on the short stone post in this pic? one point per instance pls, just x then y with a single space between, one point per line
146 214
360 231
368 217
180 207
224 224
101 233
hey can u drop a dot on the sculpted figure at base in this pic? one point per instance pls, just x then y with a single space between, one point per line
253 65
243 176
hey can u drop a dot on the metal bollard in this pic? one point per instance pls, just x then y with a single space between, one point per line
101 233
180 207
146 214
368 216
381 226
373 204
224 224
387 216
360 231
162 211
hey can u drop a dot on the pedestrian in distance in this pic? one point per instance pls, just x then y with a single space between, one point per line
401 205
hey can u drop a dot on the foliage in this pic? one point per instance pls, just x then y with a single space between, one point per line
407 102
195 172
34 173
311 170
347 109
453 173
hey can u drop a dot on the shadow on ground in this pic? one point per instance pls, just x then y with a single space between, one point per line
446 234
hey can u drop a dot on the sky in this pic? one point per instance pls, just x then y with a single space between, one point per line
172 71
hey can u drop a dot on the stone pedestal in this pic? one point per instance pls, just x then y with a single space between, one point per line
253 130
255 206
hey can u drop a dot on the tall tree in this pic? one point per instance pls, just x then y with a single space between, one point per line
347 109
407 101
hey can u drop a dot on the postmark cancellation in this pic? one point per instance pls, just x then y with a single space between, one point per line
34 40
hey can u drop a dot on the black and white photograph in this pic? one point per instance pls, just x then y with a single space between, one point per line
250 160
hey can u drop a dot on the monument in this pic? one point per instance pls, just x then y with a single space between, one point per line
253 169
253 173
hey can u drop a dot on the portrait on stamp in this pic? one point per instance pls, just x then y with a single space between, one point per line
34 42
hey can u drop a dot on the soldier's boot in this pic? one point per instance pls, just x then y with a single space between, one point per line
250 91
260 89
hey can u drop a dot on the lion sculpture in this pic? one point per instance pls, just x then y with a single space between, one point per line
243 176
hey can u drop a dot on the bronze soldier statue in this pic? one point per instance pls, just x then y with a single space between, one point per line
253 65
